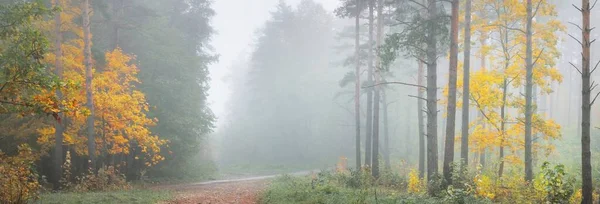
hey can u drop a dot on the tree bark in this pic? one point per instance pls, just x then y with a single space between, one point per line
464 142
87 52
451 111
528 93
369 132
432 143
421 122
502 125
386 133
377 98
586 167
58 124
357 85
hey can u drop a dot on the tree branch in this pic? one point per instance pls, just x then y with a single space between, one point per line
401 83
538 57
580 43
418 97
420 4
509 28
595 67
577 8
576 68
596 97
580 28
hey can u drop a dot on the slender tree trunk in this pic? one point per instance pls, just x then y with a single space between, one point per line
502 126
480 115
528 94
377 99
432 143
369 144
357 85
58 124
87 52
451 111
118 14
505 84
386 133
421 122
586 167
464 142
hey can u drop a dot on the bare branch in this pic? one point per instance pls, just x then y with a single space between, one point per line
596 97
577 8
595 67
401 83
594 5
420 4
580 43
576 68
418 97
580 28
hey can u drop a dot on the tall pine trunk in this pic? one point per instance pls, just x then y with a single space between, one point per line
58 124
421 121
369 132
464 142
528 93
586 167
386 132
432 143
451 111
377 99
87 52
357 85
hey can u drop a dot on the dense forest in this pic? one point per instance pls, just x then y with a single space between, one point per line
383 101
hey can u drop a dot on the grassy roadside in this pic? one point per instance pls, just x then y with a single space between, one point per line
329 190
116 197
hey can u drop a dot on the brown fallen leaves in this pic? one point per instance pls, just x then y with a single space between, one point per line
243 192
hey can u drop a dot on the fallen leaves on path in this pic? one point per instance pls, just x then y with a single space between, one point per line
243 192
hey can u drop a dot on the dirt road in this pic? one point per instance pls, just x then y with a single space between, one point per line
233 191
236 192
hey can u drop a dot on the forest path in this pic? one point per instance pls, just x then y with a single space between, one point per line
229 191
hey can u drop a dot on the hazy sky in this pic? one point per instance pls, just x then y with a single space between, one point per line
236 22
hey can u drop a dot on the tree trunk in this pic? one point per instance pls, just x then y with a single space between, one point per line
502 125
377 99
386 133
421 122
464 142
586 167
451 111
87 52
58 124
357 86
369 132
528 94
118 15
432 151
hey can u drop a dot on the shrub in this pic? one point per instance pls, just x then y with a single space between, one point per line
18 180
415 184
556 185
107 179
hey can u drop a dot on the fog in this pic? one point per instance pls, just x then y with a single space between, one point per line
278 95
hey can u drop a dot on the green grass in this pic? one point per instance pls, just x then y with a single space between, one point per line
116 197
303 190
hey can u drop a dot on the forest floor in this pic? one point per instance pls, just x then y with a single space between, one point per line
235 191
238 192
